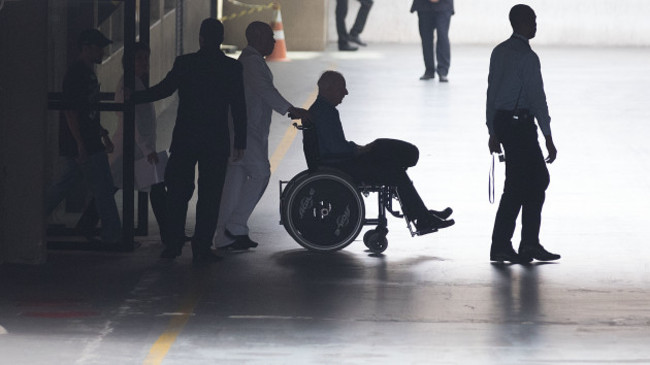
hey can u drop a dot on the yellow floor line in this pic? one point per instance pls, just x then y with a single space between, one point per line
161 347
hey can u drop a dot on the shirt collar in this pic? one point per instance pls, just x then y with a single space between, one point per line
519 36
323 100
252 50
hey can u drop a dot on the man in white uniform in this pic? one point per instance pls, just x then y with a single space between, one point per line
247 178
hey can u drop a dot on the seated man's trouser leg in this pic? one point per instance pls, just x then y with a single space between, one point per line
384 161
526 181
244 187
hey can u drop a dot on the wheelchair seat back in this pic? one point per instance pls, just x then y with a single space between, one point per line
310 145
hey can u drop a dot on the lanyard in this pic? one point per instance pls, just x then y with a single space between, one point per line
491 182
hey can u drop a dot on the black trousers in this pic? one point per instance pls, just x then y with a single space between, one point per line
526 181
384 161
179 178
360 22
438 21
158 197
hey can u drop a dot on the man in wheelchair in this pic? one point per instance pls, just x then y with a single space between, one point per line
383 161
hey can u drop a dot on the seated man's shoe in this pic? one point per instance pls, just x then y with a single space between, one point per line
507 255
205 257
428 76
357 40
443 78
431 224
537 252
347 47
442 214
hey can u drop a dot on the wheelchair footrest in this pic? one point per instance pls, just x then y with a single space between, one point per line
425 231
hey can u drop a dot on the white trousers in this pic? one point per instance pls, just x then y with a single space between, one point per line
243 189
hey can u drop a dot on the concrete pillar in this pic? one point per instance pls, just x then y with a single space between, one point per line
23 130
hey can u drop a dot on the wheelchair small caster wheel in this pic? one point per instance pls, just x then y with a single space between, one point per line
376 240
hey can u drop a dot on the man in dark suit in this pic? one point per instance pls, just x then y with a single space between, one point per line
346 38
434 15
209 84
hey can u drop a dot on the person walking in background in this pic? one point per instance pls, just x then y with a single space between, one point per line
247 179
435 15
145 145
515 98
83 142
360 22
209 85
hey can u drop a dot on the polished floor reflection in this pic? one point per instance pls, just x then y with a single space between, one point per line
434 299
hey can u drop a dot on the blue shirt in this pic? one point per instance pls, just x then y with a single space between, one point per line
515 81
331 139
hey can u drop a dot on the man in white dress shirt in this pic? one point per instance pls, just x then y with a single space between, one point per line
515 98
246 180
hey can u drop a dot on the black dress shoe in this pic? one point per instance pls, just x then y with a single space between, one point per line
206 257
347 47
126 246
507 256
443 214
443 78
428 76
537 252
240 244
170 253
357 40
431 224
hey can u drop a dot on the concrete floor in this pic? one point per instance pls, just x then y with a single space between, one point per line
434 299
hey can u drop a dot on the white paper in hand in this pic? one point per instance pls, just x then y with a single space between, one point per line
147 174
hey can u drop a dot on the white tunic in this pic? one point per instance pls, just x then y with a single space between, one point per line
261 99
145 132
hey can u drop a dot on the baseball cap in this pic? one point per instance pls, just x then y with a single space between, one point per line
93 37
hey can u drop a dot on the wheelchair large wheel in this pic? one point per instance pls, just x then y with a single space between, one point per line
322 211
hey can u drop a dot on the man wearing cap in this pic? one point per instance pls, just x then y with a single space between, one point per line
209 85
83 143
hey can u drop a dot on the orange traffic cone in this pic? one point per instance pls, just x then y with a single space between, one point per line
280 51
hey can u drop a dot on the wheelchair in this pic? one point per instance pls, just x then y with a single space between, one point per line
322 208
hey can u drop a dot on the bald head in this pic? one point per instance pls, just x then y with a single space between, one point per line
523 20
260 36
331 86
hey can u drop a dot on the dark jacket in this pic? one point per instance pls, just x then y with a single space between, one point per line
426 5
329 131
209 84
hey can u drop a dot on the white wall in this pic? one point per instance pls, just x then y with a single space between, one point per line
560 22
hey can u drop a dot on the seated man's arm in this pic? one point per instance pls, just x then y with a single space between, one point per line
331 138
